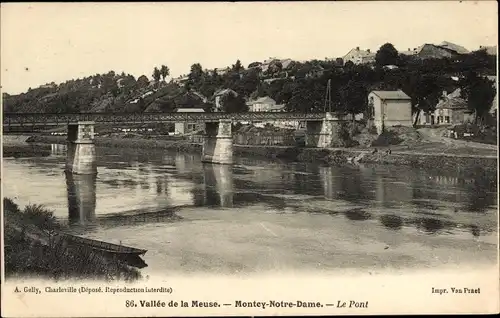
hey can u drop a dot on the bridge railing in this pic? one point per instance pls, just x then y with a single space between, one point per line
45 119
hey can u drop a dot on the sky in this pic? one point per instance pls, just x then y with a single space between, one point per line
45 42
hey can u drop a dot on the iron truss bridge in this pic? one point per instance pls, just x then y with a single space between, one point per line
44 119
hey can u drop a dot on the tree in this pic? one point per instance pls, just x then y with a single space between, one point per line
353 98
386 55
232 103
156 74
479 93
164 71
425 92
195 76
142 81
237 67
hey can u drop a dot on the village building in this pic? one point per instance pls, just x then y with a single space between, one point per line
187 127
358 56
389 108
450 110
219 95
264 104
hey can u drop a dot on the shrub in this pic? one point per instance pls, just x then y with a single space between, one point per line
38 215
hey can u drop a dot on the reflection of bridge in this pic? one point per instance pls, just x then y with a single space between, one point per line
217 191
321 130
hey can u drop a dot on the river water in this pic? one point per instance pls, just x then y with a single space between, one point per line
263 216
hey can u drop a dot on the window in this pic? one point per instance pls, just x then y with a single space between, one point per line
447 119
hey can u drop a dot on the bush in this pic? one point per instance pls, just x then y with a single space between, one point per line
38 215
387 138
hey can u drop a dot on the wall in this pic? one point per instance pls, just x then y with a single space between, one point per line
180 128
391 112
398 112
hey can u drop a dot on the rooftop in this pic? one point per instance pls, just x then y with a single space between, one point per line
455 47
190 110
262 100
452 101
399 94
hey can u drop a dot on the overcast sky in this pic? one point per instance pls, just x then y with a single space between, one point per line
45 42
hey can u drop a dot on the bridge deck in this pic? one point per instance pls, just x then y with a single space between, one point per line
43 119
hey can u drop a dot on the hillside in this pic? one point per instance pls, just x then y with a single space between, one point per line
300 86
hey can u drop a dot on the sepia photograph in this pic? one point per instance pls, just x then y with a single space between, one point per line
249 158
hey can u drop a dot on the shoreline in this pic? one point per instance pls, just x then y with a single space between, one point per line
465 163
32 250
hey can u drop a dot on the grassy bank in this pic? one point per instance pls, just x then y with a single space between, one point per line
31 250
424 156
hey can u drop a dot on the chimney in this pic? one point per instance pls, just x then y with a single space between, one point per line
445 94
368 50
357 48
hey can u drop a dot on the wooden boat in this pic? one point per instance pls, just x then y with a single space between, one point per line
103 246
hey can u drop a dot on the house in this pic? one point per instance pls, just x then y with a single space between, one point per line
450 110
264 104
389 108
358 56
219 94
181 80
185 127
442 50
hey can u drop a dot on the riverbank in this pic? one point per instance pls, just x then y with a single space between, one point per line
430 155
31 251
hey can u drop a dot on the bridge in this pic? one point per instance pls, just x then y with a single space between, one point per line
55 119
321 130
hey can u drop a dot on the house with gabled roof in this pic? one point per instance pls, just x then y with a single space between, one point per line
389 108
359 56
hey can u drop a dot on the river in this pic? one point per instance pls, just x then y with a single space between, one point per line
264 216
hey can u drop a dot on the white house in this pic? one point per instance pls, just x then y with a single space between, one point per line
390 108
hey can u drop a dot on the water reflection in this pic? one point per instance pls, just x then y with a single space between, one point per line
81 198
218 182
57 150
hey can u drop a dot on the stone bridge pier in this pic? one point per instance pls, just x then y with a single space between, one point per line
218 142
324 133
81 155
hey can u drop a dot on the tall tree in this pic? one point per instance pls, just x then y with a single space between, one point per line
195 76
424 91
479 93
232 103
164 71
237 67
386 55
353 98
156 75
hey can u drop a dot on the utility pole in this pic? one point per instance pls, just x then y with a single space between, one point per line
328 97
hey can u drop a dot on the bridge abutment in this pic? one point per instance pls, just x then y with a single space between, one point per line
322 134
218 142
81 156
